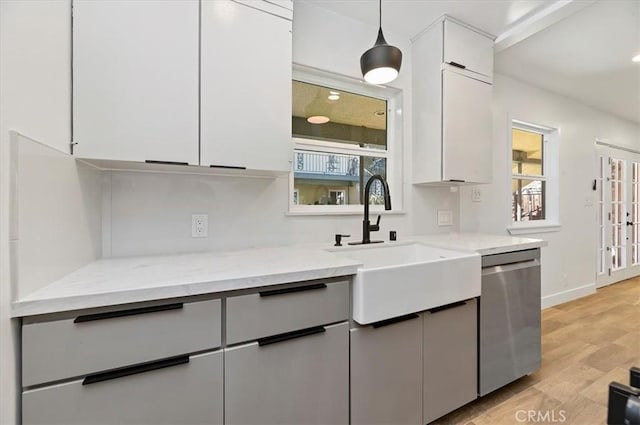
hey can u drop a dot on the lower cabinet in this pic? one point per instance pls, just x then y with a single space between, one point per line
450 346
182 390
386 372
296 378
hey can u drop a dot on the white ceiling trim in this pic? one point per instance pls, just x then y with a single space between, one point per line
538 21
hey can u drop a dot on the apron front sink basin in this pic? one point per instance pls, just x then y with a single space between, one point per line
396 279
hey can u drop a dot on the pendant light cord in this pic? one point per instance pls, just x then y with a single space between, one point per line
380 14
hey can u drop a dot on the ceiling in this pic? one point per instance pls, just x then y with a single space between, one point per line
586 56
408 17
351 109
583 53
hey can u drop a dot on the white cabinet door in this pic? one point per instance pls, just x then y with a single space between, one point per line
468 48
466 129
245 88
135 80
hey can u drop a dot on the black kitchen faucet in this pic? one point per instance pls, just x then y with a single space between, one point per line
367 227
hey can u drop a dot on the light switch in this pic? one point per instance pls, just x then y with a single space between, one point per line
445 218
476 195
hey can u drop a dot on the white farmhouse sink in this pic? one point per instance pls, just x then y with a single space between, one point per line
403 278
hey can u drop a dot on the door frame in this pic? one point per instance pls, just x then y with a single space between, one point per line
608 151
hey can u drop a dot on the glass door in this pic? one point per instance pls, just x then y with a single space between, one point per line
618 215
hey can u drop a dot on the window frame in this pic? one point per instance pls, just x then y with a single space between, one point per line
549 176
392 154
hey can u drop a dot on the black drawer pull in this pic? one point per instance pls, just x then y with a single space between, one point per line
394 320
447 307
153 161
457 65
291 290
456 181
122 313
230 167
134 370
290 335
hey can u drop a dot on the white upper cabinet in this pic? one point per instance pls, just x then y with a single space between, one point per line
246 64
452 120
468 49
466 127
135 80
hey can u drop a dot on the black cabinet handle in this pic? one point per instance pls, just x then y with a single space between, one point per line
446 307
456 181
122 313
457 65
290 335
291 290
394 320
229 167
153 161
134 370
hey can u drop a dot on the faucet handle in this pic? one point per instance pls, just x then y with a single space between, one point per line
339 239
375 227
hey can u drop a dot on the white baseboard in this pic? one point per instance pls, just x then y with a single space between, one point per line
568 295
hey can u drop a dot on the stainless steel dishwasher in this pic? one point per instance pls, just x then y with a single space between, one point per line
509 318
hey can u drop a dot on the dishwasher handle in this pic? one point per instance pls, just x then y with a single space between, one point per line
510 267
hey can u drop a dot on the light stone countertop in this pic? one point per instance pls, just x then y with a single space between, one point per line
109 282
483 244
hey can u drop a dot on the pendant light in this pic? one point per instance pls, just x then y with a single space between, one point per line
381 63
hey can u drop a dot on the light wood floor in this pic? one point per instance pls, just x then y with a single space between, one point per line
586 344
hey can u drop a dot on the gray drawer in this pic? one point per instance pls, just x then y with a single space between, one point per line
304 380
68 348
153 397
273 312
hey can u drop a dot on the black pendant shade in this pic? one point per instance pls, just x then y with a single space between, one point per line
381 63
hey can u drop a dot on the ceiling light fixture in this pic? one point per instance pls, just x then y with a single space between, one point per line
318 119
636 58
381 63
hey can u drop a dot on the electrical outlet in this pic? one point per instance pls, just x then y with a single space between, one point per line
445 218
476 195
199 225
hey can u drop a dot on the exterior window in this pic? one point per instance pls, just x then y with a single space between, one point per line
341 139
534 178
528 180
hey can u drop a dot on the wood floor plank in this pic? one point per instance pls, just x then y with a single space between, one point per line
598 391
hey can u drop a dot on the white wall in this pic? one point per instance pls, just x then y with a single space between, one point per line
569 262
150 213
35 94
